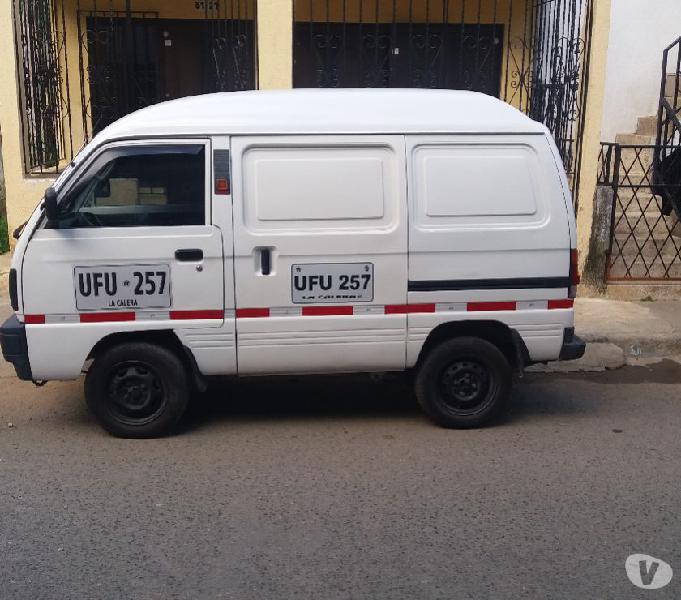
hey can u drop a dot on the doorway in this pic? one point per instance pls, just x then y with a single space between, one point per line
137 60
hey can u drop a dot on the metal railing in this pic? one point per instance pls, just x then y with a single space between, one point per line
645 243
667 159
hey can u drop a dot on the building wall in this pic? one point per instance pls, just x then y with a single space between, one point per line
24 191
274 35
639 31
274 70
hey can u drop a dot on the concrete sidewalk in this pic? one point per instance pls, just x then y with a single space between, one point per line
617 332
641 329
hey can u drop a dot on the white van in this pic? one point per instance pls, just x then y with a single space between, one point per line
303 231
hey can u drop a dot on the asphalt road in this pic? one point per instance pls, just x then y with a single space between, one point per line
338 488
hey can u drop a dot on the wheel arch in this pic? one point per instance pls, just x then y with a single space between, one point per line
507 339
160 337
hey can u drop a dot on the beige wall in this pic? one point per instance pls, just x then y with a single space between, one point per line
275 44
591 145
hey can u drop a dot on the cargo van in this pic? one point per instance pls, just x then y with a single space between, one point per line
299 232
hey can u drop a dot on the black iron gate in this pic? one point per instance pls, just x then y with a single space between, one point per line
126 60
645 239
123 66
644 192
531 53
132 60
379 60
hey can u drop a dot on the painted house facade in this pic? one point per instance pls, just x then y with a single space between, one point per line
74 66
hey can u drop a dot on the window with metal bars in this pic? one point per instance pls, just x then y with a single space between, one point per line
41 60
120 61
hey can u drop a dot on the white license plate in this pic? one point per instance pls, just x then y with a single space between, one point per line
332 282
122 288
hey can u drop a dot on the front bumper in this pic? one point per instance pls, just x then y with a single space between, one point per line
15 347
573 347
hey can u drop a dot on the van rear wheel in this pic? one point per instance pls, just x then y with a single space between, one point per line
463 382
137 390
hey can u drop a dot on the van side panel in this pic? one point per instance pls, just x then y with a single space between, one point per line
320 236
489 238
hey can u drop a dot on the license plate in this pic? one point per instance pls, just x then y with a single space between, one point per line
332 282
122 288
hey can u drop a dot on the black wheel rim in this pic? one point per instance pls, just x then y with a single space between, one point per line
135 393
466 387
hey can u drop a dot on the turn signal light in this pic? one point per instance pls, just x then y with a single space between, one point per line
222 187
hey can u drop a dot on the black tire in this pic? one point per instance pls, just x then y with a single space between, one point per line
137 390
463 382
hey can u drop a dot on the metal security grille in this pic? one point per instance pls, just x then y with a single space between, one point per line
117 61
667 160
645 232
645 240
41 53
122 61
130 60
531 53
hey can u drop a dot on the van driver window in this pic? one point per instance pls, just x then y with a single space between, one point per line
139 187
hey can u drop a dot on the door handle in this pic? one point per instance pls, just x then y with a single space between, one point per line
265 261
189 255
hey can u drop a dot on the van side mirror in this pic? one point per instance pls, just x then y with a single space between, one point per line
50 204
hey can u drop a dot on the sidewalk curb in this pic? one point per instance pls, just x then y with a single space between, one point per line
654 346
599 356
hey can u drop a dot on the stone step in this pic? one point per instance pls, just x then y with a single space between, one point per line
655 269
647 126
650 214
674 101
650 219
660 230
649 255
650 247
651 211
670 85
644 154
638 195
638 199
638 179
634 139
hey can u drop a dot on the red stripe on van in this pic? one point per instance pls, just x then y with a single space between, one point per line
566 303
252 313
34 319
403 309
487 306
106 317
326 311
188 315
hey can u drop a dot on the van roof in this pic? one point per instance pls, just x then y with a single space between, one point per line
325 111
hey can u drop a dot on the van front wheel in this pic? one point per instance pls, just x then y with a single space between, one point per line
464 382
137 390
